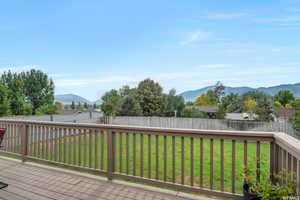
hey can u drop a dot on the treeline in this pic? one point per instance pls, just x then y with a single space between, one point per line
147 99
257 104
26 93
78 106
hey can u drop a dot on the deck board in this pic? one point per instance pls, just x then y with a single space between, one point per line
28 182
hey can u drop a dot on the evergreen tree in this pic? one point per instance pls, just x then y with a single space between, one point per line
4 101
174 104
73 105
86 106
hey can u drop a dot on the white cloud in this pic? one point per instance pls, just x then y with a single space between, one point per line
197 36
289 24
293 9
225 16
193 72
280 70
284 19
18 68
56 76
215 66
85 82
276 50
292 63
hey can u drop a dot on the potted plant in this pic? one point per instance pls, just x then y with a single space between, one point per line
266 189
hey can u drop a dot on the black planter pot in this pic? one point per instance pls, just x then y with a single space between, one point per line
248 195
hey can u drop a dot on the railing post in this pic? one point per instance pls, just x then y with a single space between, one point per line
272 160
24 141
111 154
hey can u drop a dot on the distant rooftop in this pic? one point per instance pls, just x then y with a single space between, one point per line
283 112
208 109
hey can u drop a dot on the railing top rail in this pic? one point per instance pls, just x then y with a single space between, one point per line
289 143
142 129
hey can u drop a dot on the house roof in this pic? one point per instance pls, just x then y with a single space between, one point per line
283 112
235 116
208 109
240 116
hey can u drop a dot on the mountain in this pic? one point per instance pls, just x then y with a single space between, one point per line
98 102
68 98
193 94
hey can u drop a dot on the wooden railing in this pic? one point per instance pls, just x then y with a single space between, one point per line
201 161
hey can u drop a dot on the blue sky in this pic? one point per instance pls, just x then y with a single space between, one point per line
89 47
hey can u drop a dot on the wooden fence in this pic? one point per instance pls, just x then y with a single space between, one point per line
202 161
201 123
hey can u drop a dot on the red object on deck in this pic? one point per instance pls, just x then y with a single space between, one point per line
2 132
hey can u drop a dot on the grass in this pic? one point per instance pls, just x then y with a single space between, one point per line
68 144
70 169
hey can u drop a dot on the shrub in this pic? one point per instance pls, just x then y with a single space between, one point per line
277 104
268 190
27 109
46 109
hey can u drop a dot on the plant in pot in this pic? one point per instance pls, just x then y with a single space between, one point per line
266 189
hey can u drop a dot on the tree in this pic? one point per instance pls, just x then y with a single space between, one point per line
284 97
129 103
95 106
256 95
277 104
79 106
219 91
211 97
130 107
111 103
16 95
38 87
4 101
249 106
174 104
263 111
126 90
59 106
73 106
27 109
195 113
264 104
232 103
85 105
207 99
189 103
150 98
296 116
46 109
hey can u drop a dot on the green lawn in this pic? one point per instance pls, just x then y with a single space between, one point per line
73 142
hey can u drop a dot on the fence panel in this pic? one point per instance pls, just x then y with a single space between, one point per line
206 124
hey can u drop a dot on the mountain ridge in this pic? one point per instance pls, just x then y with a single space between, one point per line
191 95
68 98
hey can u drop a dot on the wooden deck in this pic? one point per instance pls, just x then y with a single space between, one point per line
27 181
